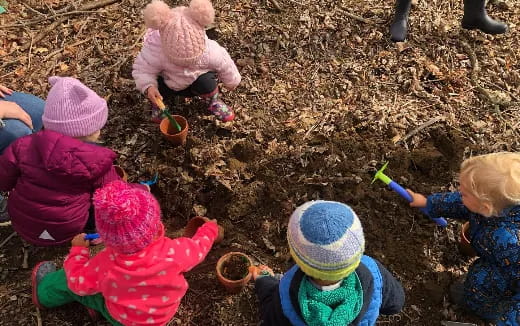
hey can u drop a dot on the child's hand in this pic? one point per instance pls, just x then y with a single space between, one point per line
11 110
260 271
79 241
220 235
153 94
418 199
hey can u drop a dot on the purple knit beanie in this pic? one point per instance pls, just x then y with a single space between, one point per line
127 218
73 109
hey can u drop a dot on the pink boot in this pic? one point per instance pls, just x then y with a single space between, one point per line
38 273
220 109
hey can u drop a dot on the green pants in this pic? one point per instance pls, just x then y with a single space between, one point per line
54 292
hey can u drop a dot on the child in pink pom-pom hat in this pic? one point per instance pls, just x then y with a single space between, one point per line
138 279
178 58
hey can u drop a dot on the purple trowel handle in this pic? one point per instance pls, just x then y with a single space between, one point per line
403 193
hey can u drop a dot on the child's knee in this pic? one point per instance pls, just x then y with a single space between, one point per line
205 84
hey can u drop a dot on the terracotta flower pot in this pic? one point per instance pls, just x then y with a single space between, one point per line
465 247
171 133
196 222
234 286
121 172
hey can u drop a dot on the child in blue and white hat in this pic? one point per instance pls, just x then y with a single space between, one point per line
332 283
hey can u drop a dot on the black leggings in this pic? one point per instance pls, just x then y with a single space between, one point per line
90 226
205 84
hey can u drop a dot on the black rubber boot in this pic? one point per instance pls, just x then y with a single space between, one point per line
476 17
399 27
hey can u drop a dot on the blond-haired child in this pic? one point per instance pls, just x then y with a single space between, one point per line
489 198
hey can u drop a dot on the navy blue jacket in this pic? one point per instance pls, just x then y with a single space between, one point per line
492 286
390 302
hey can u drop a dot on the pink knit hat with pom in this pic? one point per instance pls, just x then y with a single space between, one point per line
127 218
73 109
182 30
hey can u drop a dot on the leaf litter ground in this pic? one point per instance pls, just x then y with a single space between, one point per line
325 99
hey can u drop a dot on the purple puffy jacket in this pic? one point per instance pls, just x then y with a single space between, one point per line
51 179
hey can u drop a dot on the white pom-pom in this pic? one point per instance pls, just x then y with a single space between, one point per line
156 14
202 11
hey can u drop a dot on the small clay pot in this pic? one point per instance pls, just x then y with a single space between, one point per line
195 223
465 247
171 133
234 286
121 172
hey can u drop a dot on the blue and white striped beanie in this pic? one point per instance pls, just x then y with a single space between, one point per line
326 239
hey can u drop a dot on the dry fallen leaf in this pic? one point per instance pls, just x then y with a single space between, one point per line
63 66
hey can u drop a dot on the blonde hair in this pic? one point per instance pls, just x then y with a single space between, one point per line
494 178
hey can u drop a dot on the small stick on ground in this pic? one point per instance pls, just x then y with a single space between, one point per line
421 127
276 5
355 17
89 6
37 21
257 258
38 317
323 180
7 239
25 262
474 79
42 34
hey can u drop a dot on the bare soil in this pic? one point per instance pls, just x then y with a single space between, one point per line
325 100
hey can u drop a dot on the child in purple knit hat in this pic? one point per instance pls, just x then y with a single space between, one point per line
52 174
178 58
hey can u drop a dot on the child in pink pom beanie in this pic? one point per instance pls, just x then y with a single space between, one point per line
178 58
51 175
138 278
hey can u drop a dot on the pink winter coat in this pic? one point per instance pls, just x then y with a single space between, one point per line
51 178
151 62
144 288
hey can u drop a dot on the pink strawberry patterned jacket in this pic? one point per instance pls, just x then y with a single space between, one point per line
152 62
144 288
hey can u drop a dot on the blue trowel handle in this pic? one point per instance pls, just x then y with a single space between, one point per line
403 193
91 236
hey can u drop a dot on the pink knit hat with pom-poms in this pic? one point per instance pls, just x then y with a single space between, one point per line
182 30
127 218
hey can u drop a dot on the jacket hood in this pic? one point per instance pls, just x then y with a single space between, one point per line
66 156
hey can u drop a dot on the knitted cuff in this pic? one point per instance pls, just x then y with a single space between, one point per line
264 273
